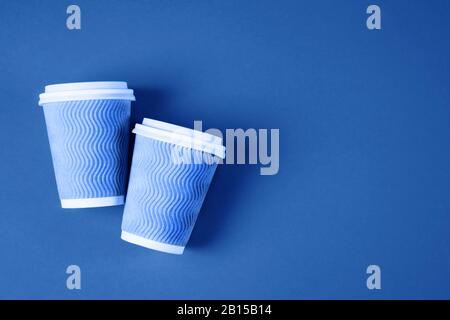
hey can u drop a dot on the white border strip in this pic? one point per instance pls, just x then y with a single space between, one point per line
151 244
92 202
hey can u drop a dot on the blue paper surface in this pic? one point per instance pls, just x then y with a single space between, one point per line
364 120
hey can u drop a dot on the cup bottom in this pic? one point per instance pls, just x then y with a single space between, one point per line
151 244
92 202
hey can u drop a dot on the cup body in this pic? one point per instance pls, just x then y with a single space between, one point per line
89 146
168 183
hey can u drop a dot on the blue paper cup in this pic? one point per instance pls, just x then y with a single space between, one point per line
171 171
88 127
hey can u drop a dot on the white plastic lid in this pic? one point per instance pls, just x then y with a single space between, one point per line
181 136
116 90
203 136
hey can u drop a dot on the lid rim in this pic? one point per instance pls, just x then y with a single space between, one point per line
93 90
169 127
179 139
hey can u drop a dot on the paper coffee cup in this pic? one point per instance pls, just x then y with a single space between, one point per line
171 171
88 127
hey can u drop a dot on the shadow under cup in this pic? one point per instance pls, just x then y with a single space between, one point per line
88 129
171 171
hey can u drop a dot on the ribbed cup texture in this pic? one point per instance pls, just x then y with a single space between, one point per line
89 145
164 198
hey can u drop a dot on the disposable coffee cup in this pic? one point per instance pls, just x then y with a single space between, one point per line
88 126
172 168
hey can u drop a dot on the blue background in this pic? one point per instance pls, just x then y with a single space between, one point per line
364 119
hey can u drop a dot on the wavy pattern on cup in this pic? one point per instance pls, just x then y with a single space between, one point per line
164 198
89 143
